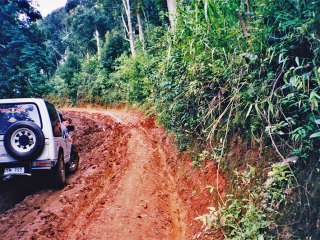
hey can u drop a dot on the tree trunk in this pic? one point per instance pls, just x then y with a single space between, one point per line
141 34
96 35
243 25
126 4
172 9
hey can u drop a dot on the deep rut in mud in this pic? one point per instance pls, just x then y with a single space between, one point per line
131 184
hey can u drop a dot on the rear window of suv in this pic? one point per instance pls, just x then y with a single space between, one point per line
11 113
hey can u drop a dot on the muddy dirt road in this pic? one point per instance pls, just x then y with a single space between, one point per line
132 184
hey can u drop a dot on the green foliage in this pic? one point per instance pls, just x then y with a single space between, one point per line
68 71
217 82
113 47
205 78
279 178
54 27
131 73
241 220
84 21
246 215
22 51
89 87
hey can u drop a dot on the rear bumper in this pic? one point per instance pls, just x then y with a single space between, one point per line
29 166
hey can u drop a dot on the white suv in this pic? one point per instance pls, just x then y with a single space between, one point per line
31 139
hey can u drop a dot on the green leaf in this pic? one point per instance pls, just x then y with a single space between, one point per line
317 134
249 110
314 94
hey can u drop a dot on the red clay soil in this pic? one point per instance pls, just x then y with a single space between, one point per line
132 184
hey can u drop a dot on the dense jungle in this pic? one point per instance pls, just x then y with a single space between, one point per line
235 83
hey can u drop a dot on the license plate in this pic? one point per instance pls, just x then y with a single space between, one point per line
17 170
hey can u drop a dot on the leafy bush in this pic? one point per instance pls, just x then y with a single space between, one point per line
247 215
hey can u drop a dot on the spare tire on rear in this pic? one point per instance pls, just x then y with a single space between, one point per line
24 140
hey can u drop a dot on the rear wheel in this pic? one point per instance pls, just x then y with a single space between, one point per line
59 173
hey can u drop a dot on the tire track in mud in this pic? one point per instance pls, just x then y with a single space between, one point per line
178 213
140 206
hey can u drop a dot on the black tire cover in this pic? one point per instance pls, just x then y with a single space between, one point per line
23 140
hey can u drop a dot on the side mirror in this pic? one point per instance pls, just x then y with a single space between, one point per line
70 128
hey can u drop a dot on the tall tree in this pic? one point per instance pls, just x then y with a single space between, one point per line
56 30
172 9
83 22
140 26
128 25
97 37
22 50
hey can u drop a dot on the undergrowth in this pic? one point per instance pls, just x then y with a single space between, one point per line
246 214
